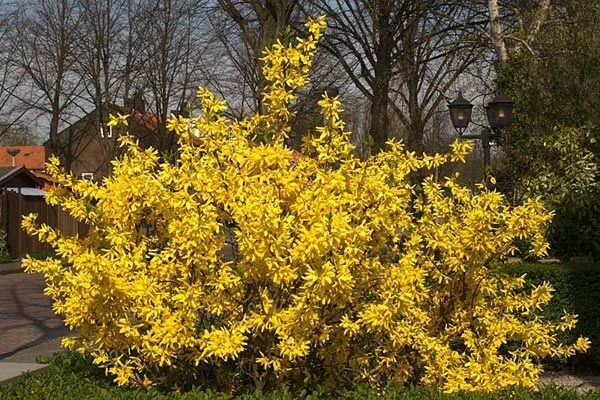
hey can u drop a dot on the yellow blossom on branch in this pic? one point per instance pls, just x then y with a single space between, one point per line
117 120
265 266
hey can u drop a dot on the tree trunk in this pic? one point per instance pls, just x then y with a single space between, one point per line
416 125
273 23
496 32
380 123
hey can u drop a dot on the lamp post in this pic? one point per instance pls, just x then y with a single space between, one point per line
498 112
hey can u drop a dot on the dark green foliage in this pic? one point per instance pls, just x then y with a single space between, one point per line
559 86
577 290
71 377
556 89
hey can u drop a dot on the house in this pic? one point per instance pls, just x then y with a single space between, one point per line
45 179
33 158
87 147
18 179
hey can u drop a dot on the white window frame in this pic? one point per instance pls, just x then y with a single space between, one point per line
110 131
87 175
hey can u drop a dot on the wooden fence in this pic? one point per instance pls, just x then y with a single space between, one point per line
13 206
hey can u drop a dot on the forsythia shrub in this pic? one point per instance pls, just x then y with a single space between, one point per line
263 267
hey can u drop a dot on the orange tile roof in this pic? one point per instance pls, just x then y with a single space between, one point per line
147 119
32 157
45 179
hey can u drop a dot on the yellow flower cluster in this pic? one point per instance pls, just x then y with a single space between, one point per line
274 269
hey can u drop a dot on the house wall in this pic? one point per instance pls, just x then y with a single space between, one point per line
83 149
96 155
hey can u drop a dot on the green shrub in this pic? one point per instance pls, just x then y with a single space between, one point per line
72 377
4 245
568 179
577 290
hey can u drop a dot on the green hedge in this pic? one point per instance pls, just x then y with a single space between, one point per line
70 377
577 290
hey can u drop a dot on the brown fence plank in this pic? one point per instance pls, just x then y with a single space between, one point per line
46 215
13 206
13 223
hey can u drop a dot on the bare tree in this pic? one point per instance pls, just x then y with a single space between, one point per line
249 27
44 43
130 48
437 49
402 55
171 33
363 36
96 50
11 77
109 49
101 59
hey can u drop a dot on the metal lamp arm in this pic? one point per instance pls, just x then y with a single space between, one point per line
479 125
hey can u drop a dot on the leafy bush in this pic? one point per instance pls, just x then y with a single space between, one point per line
71 377
577 290
242 264
568 179
4 245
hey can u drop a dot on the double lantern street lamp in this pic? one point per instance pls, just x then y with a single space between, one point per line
498 111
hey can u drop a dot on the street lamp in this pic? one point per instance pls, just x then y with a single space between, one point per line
460 113
498 112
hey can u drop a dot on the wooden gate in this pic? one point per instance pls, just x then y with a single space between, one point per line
14 206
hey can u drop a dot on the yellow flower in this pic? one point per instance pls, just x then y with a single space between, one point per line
257 263
120 119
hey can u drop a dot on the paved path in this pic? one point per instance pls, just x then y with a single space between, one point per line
582 383
10 267
26 318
